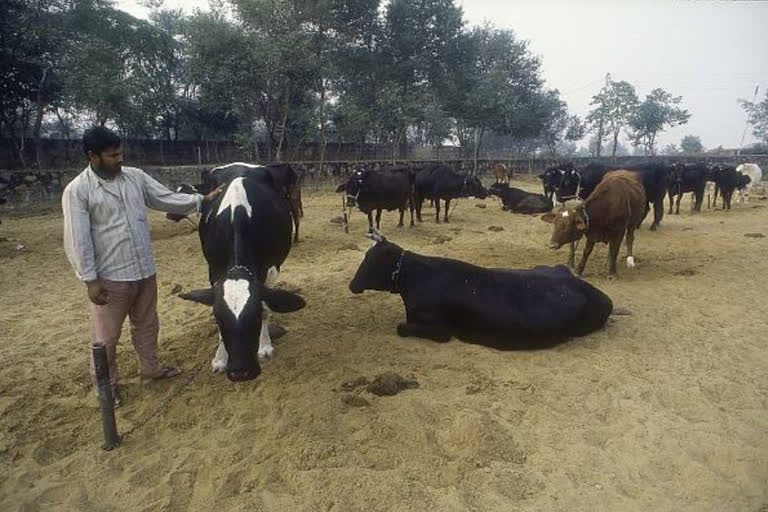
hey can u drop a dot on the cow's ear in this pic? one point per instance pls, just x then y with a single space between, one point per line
341 187
282 301
549 217
204 296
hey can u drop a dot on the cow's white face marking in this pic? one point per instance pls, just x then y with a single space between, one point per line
235 197
236 295
565 214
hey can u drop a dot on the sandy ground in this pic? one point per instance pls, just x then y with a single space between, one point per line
666 409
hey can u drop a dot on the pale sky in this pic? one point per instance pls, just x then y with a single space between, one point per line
709 52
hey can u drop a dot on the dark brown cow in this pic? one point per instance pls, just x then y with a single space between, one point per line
615 207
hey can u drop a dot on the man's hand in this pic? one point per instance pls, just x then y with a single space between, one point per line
97 292
212 195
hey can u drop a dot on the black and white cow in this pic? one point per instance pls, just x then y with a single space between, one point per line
384 189
441 182
445 297
552 176
285 177
246 236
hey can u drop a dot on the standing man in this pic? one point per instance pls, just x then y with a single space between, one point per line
106 238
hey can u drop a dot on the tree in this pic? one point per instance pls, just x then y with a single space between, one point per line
613 107
658 111
670 150
691 144
757 116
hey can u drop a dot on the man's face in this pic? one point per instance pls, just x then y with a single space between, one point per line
109 162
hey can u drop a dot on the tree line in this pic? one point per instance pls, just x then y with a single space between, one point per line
276 75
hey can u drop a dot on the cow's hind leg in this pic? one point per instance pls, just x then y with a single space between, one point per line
630 244
402 213
447 208
437 211
370 221
378 218
677 203
614 244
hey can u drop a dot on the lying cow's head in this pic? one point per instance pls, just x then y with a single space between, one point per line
742 181
380 267
473 188
354 185
498 189
239 302
569 226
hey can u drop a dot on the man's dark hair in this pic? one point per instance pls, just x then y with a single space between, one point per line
99 138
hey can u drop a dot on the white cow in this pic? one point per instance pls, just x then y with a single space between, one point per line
755 175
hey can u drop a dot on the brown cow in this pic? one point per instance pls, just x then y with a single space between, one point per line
614 208
500 173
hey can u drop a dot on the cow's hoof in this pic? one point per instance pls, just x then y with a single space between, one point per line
266 354
631 261
218 366
402 330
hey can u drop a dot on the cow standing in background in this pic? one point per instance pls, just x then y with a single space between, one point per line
755 175
551 178
441 182
683 178
581 182
500 173
726 181
385 189
616 207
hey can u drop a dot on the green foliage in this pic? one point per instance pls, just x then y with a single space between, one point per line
691 144
659 110
758 117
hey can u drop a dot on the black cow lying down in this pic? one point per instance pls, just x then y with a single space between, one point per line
520 201
506 308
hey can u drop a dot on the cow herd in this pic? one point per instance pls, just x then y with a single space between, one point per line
246 235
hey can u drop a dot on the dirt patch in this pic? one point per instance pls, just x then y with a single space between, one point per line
687 272
754 235
660 410
495 229
390 384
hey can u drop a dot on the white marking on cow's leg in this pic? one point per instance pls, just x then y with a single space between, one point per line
219 362
272 275
235 197
631 261
236 295
266 351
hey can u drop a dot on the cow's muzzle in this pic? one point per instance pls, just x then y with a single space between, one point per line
241 375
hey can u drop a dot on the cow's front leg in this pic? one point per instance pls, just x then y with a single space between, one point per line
585 256
266 350
572 255
219 361
447 207
437 211
370 221
677 203
378 218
